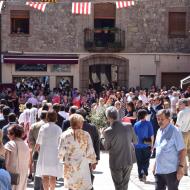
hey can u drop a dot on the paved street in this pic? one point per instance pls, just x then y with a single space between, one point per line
103 179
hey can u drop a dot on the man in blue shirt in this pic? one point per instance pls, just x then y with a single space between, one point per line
170 153
145 135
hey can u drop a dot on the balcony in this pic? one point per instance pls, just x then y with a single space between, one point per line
104 40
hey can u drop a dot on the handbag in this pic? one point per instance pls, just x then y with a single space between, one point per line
15 177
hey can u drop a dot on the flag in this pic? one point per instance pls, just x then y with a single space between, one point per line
49 1
1 6
37 5
124 4
83 8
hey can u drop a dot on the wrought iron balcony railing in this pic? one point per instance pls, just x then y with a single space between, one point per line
104 39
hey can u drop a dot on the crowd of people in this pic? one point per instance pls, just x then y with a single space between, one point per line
43 131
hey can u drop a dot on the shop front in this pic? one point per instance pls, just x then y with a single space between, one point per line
56 70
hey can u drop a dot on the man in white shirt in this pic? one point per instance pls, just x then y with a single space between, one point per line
143 97
183 122
129 96
33 115
40 109
174 99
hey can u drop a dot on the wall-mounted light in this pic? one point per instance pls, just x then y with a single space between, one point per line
157 58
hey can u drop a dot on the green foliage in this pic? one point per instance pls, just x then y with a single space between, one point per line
98 118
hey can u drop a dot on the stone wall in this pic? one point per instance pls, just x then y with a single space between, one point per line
57 30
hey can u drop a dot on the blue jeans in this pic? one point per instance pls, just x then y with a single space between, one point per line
143 159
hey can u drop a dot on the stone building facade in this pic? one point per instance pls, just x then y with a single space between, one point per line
147 50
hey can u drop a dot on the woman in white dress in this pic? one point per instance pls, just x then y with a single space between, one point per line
48 166
77 152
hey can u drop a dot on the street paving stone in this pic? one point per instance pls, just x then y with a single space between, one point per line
103 180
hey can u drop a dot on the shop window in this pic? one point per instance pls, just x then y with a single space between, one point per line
61 68
177 24
64 82
147 81
19 22
31 67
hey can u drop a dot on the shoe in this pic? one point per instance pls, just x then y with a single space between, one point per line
30 177
140 179
144 178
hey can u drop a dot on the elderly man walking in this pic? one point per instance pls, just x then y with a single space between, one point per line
170 154
118 141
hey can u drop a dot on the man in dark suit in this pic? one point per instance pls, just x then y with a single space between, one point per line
157 105
6 111
60 119
12 120
119 140
66 123
93 131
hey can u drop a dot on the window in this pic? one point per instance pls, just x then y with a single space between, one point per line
31 67
104 21
177 24
146 81
64 82
61 68
19 22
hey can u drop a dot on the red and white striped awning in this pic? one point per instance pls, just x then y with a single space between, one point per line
83 8
37 5
124 4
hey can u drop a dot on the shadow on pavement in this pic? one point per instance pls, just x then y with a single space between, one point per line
150 182
30 184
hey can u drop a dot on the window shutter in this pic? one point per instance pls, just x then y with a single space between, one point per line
104 11
177 23
19 14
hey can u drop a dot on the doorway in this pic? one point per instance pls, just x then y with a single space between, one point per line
103 69
103 75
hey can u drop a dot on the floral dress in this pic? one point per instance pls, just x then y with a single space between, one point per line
77 152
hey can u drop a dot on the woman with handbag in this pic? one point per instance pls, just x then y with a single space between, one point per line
17 157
